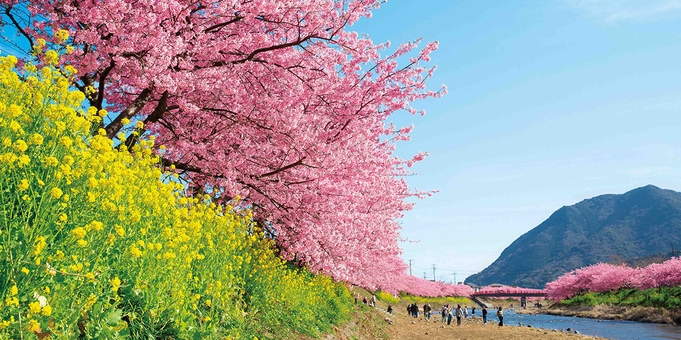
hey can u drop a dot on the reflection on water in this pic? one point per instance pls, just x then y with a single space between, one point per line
612 329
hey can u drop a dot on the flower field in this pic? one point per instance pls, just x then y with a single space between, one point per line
98 242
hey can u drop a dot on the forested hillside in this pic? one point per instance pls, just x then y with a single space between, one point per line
608 228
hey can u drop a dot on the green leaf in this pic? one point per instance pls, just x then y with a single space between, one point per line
114 317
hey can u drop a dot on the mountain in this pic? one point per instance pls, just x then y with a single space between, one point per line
609 228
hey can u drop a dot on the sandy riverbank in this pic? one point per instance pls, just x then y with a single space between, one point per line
371 323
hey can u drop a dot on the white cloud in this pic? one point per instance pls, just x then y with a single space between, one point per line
627 10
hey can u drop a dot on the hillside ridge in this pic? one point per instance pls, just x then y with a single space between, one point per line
612 228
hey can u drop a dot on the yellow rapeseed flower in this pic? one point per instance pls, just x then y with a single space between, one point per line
115 283
23 184
14 111
23 160
40 244
16 127
20 146
135 252
78 232
61 35
34 307
68 160
96 225
40 43
47 310
56 193
66 141
51 57
37 139
119 230
32 326
12 301
50 161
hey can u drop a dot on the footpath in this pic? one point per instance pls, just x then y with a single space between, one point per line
375 323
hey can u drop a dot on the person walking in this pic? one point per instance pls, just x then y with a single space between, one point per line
426 311
459 314
484 315
444 312
500 315
449 315
465 312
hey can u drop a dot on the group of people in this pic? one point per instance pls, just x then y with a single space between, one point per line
413 310
449 313
371 302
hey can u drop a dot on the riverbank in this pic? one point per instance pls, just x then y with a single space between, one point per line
375 323
405 327
607 312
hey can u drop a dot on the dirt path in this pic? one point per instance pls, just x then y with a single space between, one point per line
372 324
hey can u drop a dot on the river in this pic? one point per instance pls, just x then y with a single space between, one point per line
611 329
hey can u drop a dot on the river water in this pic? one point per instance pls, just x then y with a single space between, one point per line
611 329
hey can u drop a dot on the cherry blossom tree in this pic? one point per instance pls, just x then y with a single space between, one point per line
274 104
603 277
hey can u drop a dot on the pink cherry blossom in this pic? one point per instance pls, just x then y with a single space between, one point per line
604 277
276 102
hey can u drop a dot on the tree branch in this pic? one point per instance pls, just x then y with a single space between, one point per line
296 163
18 26
129 111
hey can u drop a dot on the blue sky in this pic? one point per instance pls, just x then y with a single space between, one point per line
550 102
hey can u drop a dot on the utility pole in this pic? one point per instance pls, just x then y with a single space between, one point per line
410 267
433 272
454 277
673 253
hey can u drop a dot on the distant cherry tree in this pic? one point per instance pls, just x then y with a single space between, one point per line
603 277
